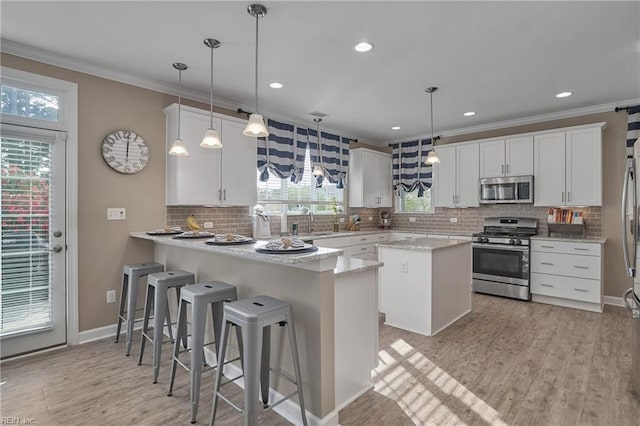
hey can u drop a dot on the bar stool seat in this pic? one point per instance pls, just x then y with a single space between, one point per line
158 285
131 275
255 316
199 296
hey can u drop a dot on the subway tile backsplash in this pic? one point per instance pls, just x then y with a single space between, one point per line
469 220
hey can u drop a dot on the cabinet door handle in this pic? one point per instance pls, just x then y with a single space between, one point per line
363 239
580 267
568 196
507 168
219 194
580 249
582 290
546 263
563 196
363 249
546 285
224 196
547 246
502 169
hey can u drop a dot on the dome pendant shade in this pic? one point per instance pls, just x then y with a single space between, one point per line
211 139
317 171
432 158
255 127
178 149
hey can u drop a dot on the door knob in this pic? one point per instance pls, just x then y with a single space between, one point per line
57 234
57 248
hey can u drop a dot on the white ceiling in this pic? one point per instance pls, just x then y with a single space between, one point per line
505 60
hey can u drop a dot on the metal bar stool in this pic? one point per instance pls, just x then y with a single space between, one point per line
254 317
199 296
158 285
131 275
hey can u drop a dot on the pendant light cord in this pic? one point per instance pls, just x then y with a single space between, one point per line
256 79
432 142
318 120
211 99
179 98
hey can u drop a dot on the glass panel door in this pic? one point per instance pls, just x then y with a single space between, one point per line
32 189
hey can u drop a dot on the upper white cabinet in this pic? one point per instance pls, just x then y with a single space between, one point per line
568 167
456 177
369 179
506 157
210 177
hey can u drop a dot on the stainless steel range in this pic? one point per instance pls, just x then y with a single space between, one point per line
501 257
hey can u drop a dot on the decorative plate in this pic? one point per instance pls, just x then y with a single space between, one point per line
228 239
307 248
194 235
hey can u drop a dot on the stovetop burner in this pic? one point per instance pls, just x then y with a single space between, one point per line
507 231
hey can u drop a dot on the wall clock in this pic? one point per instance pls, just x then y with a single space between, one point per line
125 151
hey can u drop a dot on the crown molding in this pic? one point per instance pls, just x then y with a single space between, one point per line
72 63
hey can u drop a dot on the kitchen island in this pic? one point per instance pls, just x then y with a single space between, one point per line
334 304
426 283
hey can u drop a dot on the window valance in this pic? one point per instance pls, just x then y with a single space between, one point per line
409 171
279 154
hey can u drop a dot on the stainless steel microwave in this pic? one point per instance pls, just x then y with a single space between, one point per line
512 189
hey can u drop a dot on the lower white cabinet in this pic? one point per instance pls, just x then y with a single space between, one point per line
567 274
360 246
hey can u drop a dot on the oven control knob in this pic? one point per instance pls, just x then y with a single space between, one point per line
479 239
512 241
517 241
485 239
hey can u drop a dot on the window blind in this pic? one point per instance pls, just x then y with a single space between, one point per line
409 171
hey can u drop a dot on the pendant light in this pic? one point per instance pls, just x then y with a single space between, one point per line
255 126
178 149
317 169
211 138
432 158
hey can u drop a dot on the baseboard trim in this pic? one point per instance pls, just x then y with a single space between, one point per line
614 301
104 332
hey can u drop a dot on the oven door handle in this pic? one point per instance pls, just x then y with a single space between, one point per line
501 247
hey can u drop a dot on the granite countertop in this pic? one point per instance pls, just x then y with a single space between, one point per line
424 244
243 250
573 239
352 265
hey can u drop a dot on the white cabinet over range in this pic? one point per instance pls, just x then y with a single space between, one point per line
210 177
512 156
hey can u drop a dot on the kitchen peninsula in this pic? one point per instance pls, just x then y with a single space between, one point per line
426 283
334 304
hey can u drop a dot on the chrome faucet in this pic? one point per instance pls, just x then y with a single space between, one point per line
311 228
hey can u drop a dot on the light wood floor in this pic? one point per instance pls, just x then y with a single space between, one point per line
507 363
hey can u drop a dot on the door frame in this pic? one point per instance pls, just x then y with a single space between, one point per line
68 122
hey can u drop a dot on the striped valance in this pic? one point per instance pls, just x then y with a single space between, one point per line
409 171
278 154
333 156
633 128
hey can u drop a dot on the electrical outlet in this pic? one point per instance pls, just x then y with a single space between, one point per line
111 296
453 220
370 219
412 219
342 220
404 267
116 213
208 225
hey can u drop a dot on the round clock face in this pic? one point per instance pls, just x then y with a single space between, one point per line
125 151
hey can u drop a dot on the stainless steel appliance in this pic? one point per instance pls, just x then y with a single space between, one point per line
512 189
630 241
501 257
385 220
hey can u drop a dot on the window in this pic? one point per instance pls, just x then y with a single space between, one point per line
409 202
30 104
281 195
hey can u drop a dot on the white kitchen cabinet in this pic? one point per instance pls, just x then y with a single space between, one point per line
210 177
369 179
456 176
568 168
506 157
567 273
362 246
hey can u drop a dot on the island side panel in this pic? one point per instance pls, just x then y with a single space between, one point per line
452 279
311 295
406 288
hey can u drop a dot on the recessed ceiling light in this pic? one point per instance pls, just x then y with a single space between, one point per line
396 128
363 46
276 85
469 113
564 94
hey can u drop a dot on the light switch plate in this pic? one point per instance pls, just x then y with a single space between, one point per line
111 296
116 213
453 220
412 219
208 225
